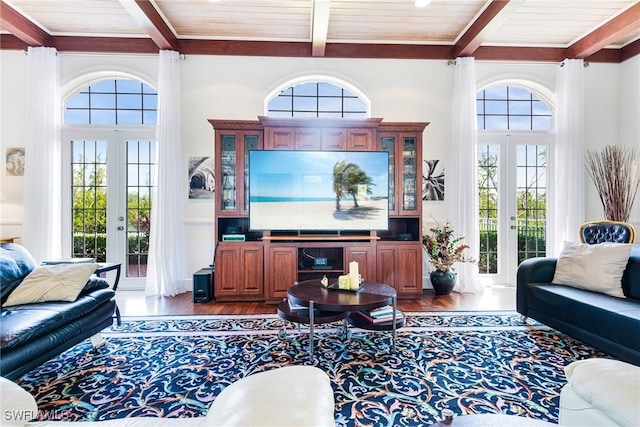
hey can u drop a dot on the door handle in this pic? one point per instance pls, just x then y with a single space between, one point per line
120 228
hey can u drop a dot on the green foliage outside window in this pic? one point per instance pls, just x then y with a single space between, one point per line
90 213
531 221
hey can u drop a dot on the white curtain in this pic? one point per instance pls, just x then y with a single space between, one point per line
42 229
462 185
567 203
166 271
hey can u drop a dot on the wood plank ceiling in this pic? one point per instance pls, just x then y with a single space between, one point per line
525 30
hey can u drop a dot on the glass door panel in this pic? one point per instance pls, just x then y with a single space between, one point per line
251 142
531 198
228 164
89 199
140 182
409 174
388 144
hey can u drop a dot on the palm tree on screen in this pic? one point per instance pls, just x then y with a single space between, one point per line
349 179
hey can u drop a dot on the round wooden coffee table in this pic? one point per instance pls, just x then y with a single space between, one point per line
493 420
319 299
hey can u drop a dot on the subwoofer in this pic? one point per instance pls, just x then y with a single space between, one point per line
203 285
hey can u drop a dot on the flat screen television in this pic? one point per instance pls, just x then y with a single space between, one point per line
318 190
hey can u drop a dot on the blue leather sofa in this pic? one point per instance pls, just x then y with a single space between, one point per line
31 334
607 323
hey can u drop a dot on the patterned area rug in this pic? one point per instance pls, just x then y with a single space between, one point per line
474 362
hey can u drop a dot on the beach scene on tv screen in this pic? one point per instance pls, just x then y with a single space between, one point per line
314 190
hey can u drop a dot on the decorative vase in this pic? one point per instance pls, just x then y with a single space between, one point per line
443 281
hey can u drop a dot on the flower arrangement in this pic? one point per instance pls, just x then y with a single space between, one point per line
444 249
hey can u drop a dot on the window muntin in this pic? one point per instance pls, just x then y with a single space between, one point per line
512 108
113 102
317 99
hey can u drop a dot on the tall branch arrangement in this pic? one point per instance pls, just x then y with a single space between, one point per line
615 173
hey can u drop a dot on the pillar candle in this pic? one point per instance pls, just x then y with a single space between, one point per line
353 273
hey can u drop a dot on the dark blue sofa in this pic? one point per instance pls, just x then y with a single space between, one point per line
607 323
31 334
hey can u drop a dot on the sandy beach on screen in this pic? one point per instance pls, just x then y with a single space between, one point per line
318 215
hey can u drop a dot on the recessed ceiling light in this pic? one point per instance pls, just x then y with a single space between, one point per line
422 3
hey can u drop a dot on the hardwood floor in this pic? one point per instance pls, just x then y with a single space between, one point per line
134 303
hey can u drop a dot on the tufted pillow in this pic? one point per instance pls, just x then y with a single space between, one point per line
15 263
62 282
597 268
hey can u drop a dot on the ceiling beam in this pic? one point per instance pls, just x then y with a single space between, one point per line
18 25
630 50
333 50
148 17
606 34
319 26
494 15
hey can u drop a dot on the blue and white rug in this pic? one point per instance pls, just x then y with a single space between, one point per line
470 362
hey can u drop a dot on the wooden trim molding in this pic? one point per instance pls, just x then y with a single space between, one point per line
320 123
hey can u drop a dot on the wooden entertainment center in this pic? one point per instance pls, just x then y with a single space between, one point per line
263 265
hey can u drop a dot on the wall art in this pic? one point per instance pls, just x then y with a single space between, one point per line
15 161
432 180
201 178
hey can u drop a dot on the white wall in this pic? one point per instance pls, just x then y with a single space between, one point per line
13 125
232 87
629 111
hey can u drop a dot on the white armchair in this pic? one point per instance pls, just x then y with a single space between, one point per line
600 392
289 396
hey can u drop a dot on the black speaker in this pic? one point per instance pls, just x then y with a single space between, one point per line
203 285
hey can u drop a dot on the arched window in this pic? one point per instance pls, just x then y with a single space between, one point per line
511 108
317 99
113 102
109 172
514 134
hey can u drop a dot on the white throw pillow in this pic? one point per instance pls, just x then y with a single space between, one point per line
597 268
61 282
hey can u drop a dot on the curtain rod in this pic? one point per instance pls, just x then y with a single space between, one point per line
101 54
585 64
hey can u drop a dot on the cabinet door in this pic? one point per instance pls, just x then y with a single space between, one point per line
386 265
227 172
405 172
410 184
250 141
251 265
233 165
283 263
363 255
227 273
399 264
279 138
359 140
334 139
307 139
409 263
388 143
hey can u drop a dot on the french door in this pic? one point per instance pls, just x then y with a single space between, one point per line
108 177
513 187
